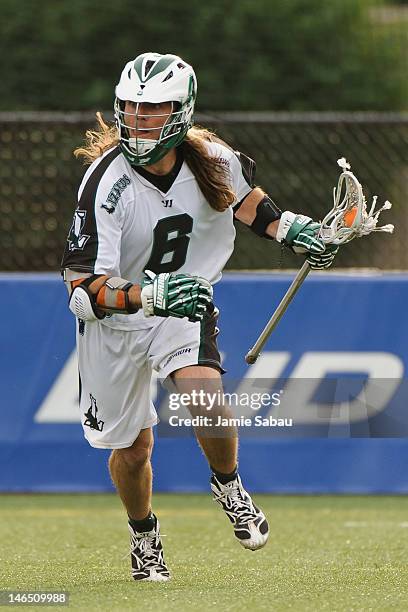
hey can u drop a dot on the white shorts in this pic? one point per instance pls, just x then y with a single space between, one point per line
115 370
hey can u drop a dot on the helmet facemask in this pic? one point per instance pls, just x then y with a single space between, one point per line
155 79
145 151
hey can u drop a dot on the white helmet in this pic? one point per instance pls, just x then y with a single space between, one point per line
155 78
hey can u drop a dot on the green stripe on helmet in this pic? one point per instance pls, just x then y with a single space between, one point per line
138 66
161 64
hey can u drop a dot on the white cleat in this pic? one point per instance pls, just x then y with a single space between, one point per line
146 552
250 525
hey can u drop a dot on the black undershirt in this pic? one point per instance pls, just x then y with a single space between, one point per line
163 181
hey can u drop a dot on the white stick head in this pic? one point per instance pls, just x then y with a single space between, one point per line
349 217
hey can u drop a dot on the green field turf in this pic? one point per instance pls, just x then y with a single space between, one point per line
324 553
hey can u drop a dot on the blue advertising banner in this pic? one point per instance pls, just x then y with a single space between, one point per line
335 367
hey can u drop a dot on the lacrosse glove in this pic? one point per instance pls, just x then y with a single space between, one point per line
175 295
323 260
300 234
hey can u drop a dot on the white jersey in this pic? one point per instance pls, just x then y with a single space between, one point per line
124 224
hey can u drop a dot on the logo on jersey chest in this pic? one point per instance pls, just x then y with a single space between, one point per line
113 196
167 203
76 239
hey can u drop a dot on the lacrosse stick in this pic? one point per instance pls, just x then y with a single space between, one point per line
348 219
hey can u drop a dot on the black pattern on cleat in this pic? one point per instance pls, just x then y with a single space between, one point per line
250 525
146 552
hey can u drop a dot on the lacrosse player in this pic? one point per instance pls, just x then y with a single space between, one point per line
151 234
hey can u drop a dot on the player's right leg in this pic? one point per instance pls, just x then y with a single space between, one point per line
117 413
131 473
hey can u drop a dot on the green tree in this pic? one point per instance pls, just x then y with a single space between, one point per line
248 54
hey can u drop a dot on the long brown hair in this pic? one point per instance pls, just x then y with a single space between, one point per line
98 141
211 173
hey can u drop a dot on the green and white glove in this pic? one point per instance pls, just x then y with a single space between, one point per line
323 260
300 234
175 295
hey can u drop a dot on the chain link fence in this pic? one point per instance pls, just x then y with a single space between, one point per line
296 158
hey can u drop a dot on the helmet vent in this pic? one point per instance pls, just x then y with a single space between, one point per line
148 66
166 78
181 66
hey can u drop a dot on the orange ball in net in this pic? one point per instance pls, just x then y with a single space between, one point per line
350 216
